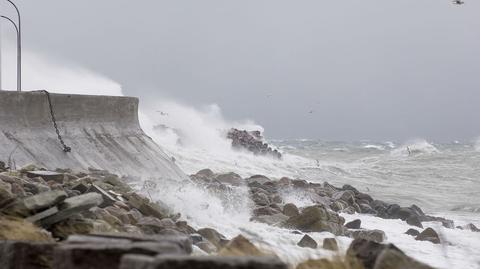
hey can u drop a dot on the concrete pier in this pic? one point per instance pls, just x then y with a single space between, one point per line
103 132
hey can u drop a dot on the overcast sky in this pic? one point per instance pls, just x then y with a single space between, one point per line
368 69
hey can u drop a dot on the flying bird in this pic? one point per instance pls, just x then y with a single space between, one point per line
163 113
458 2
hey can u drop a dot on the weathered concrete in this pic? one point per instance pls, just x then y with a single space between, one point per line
103 132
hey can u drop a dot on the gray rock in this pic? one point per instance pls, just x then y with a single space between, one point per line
260 199
291 210
264 210
107 255
307 242
108 200
355 224
72 206
44 200
430 235
230 178
216 238
201 262
330 244
26 255
273 220
370 235
471 227
207 247
47 175
367 251
258 178
414 221
146 207
316 219
393 259
412 232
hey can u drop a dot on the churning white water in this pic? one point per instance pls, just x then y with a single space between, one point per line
444 179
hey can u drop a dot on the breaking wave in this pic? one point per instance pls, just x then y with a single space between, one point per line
415 147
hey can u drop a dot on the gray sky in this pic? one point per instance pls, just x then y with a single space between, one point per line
368 69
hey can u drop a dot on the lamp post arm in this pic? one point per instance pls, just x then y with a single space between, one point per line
19 45
14 24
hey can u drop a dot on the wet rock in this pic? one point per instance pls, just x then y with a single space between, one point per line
241 246
261 199
146 207
5 193
367 251
430 235
393 259
200 262
216 238
370 235
367 209
185 228
206 173
316 219
26 255
207 247
252 141
346 196
291 210
260 179
330 244
265 210
412 232
230 178
274 220
307 242
355 224
106 255
414 221
471 227
152 225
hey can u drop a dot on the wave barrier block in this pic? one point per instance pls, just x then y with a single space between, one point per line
103 132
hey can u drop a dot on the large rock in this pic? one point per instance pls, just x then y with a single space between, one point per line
72 206
106 255
146 207
355 224
44 200
367 251
230 178
216 238
201 262
393 259
330 244
274 220
241 246
252 141
371 235
26 255
430 235
316 219
291 210
307 242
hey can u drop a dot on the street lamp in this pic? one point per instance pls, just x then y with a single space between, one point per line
18 49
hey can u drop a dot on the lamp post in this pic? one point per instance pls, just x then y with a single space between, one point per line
18 49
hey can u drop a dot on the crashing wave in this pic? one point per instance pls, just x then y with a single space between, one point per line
415 147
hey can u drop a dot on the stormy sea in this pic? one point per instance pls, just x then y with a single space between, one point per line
441 178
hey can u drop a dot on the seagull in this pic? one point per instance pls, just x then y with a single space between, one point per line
458 2
311 112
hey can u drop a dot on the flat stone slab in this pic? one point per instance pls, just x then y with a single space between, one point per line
44 200
26 255
46 175
200 262
72 206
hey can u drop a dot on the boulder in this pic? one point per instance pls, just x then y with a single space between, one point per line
146 207
274 220
26 255
259 179
393 259
200 262
261 199
316 219
108 200
326 264
412 232
72 206
47 175
44 200
241 246
430 235
206 246
330 244
265 210
307 242
471 227
216 238
291 210
367 251
72 226
355 224
371 235
230 178
206 173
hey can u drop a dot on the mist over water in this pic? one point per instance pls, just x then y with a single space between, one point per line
444 179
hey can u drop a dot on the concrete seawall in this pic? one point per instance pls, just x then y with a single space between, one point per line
103 132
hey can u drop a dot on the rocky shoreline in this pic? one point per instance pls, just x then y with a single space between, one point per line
61 219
